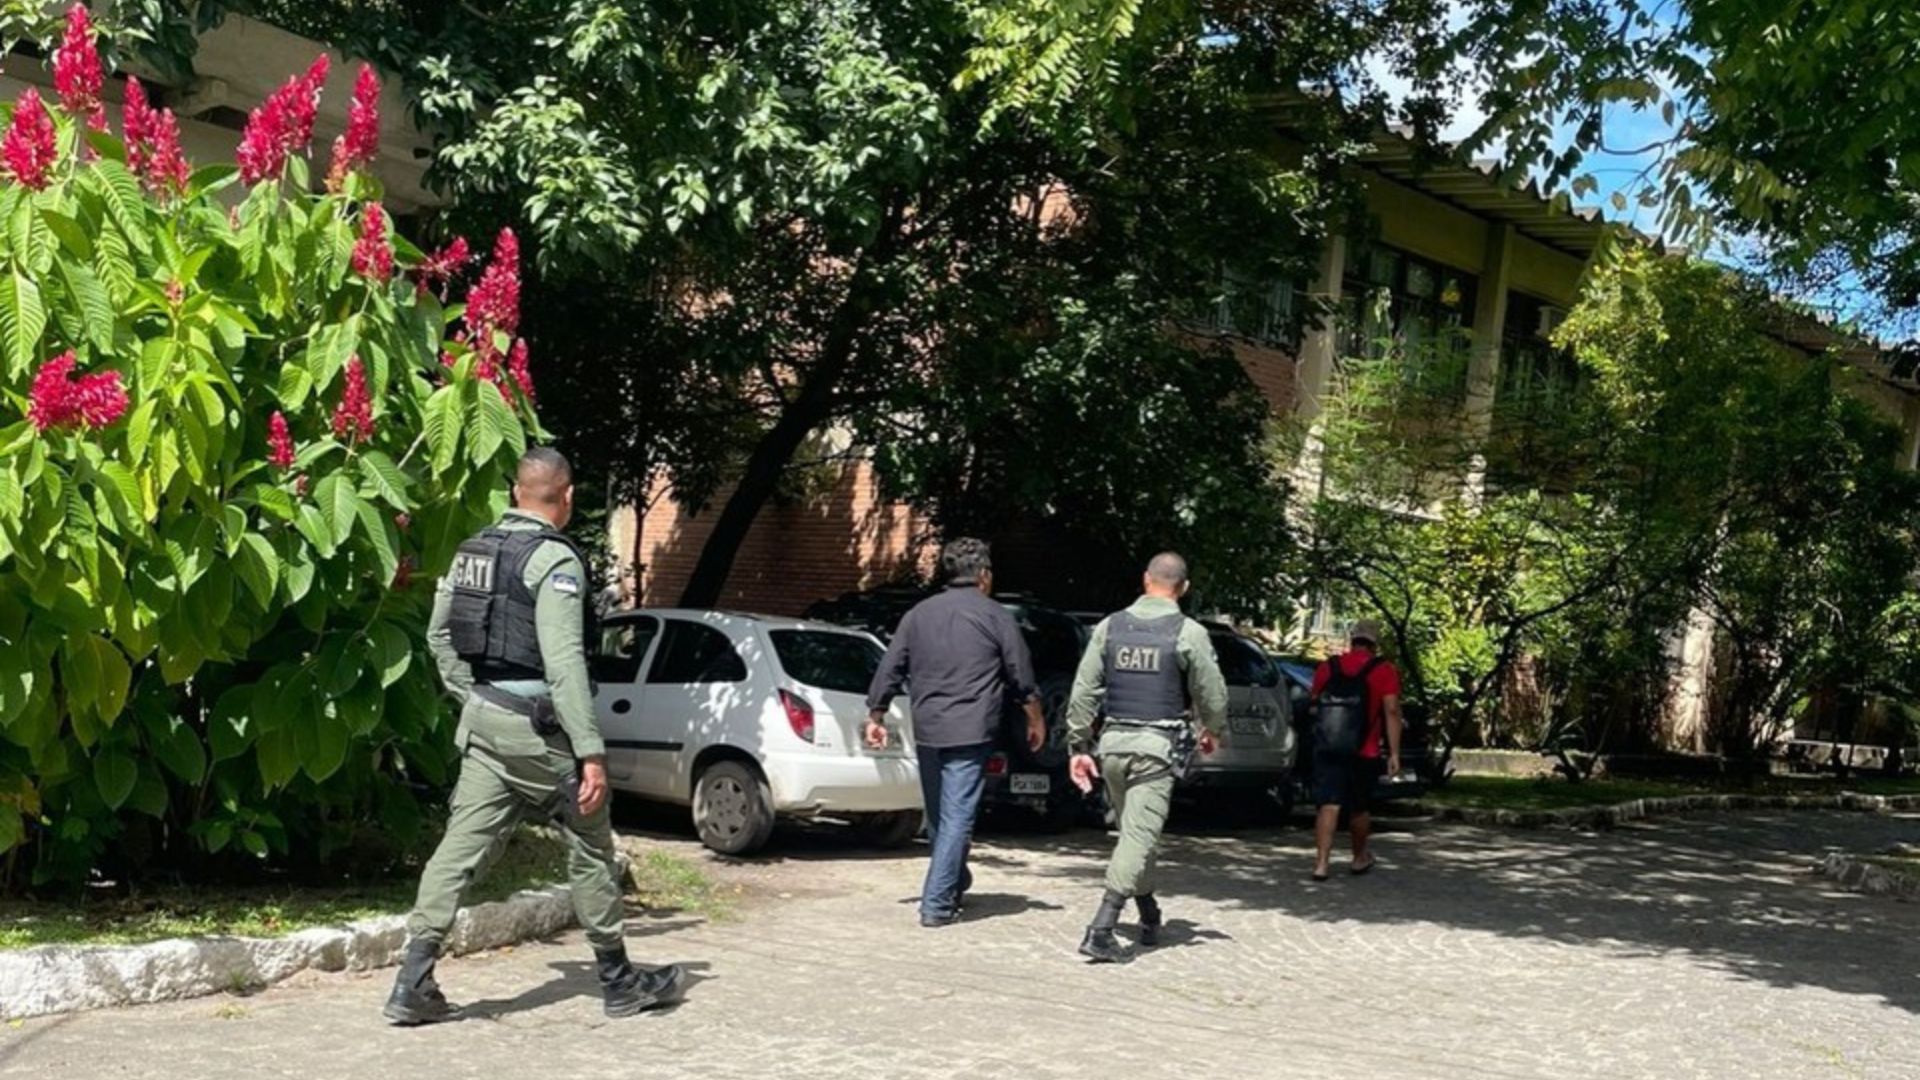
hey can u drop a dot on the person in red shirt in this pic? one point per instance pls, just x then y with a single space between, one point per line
1346 780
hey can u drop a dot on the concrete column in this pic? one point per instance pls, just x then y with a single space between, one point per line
1483 365
1313 375
1314 371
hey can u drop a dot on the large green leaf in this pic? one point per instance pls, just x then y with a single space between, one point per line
259 567
90 297
392 651
386 479
381 532
29 237
295 384
23 317
490 417
338 501
313 525
230 728
442 424
121 191
177 747
114 774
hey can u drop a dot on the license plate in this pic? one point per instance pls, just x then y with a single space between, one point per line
1248 725
1030 783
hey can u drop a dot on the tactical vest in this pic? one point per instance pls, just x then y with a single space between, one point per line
492 614
1144 680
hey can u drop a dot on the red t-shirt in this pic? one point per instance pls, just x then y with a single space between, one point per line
1382 681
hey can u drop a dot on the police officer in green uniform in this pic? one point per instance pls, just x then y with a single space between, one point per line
1153 672
509 631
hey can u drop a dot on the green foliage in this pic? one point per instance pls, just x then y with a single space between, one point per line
1785 122
202 649
1699 465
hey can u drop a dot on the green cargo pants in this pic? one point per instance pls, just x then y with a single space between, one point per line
496 792
1140 789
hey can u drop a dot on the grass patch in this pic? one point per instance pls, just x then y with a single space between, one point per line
665 882
530 860
1558 793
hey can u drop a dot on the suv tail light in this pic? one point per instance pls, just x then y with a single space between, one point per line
997 765
799 714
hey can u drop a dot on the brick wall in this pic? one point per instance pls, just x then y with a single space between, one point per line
844 539
849 538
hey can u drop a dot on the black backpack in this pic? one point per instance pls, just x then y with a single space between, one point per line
1341 712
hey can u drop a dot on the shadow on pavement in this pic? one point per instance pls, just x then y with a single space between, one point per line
1733 891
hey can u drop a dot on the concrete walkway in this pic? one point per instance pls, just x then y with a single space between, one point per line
1697 947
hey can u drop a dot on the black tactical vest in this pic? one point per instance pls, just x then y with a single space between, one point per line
1144 680
491 619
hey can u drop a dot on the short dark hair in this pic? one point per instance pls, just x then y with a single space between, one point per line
964 559
1169 569
547 460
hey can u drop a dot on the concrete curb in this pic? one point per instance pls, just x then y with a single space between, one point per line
1861 876
1606 817
51 979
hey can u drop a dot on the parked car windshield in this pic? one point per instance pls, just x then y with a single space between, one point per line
824 659
1243 663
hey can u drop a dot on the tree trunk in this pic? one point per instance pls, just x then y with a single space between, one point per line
757 484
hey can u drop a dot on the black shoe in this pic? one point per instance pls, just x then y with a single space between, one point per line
1102 947
630 991
1150 920
416 997
934 922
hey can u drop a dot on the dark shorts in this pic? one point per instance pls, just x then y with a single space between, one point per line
1346 780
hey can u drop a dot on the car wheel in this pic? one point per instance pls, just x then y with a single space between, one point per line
892 830
732 808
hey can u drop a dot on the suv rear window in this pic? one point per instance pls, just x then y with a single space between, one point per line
1243 662
826 660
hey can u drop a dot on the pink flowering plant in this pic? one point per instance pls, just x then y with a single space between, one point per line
219 398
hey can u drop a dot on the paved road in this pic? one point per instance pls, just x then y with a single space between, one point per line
1687 948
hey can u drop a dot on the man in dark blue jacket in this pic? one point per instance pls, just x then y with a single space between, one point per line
962 657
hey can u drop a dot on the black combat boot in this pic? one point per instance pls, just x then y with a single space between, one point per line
630 991
416 997
1150 920
1100 945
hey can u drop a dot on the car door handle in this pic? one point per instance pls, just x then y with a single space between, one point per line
622 706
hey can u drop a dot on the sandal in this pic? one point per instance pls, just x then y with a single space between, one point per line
1356 870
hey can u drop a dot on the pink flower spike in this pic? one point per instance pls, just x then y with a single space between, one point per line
361 144
167 170
29 149
353 417
373 254
494 303
279 442
517 364
76 67
139 126
57 401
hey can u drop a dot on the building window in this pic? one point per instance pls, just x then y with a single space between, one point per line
1537 378
1394 298
1266 312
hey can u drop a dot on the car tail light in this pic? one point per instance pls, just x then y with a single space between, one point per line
997 765
799 714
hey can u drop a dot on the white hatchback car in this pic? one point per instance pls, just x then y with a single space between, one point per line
747 717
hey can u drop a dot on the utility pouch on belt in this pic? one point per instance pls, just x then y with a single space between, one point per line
1185 745
538 711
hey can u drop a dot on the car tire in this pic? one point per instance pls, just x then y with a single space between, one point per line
732 808
890 830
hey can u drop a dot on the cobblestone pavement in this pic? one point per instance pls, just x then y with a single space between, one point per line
1697 947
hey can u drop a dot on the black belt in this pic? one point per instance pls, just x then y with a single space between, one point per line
538 710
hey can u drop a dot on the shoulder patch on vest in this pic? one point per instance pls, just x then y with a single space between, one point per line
564 583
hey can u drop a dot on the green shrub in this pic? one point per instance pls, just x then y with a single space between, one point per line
215 543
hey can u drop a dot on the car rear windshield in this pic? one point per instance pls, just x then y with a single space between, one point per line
827 660
1244 663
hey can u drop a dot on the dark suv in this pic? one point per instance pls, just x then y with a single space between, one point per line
1016 776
